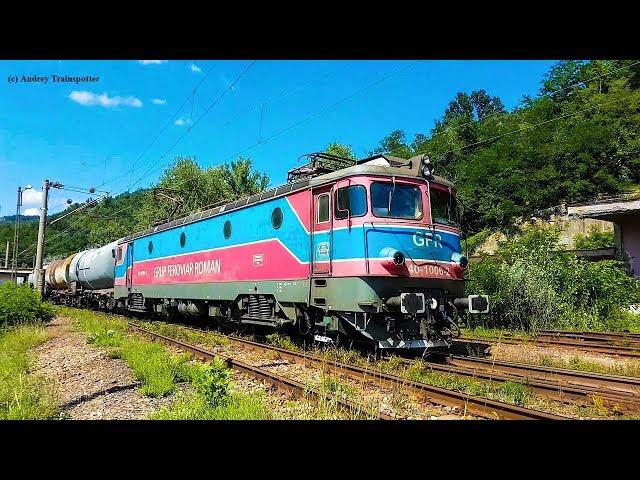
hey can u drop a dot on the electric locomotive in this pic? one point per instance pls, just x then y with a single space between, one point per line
363 250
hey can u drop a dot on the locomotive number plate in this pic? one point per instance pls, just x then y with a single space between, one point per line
412 303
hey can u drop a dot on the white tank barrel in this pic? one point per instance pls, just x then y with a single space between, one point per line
94 269
73 277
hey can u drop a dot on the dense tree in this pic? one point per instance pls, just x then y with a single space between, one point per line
394 144
577 138
341 150
117 217
485 106
197 187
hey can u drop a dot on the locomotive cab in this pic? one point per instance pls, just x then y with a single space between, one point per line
387 265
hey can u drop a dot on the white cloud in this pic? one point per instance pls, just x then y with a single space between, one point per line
31 197
90 99
158 101
195 68
31 211
183 121
151 62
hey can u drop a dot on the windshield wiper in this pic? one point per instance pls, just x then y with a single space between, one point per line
391 192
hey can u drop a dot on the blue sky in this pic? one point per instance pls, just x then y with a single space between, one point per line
89 133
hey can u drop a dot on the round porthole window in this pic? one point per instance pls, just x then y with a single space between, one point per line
276 217
183 239
150 246
227 229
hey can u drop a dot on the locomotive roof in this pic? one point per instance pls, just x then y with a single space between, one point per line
383 165
399 167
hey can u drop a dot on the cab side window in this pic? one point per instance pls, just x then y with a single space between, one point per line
323 208
351 201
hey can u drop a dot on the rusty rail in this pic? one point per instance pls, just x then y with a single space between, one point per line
478 406
623 338
288 385
598 347
563 385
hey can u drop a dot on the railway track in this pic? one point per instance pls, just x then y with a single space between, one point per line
469 404
576 344
282 383
563 385
620 338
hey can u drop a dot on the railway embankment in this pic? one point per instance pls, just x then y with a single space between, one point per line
89 365
103 370
89 383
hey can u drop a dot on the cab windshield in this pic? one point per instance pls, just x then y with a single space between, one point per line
444 207
397 201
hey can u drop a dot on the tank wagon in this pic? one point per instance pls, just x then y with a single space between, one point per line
84 279
367 250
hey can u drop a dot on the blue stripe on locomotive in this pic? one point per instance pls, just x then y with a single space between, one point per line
253 224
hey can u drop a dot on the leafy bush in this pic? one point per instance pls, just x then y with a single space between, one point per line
212 380
474 241
594 239
533 286
20 304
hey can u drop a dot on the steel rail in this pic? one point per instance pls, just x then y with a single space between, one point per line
619 383
624 339
478 406
632 352
566 386
282 383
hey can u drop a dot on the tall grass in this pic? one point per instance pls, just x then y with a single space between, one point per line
175 331
282 341
510 392
631 368
23 395
192 406
152 365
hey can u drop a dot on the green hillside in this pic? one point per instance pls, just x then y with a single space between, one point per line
578 137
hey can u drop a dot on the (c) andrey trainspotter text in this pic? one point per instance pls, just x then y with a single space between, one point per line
52 79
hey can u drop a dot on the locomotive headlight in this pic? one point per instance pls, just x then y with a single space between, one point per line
460 259
392 257
427 167
433 304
